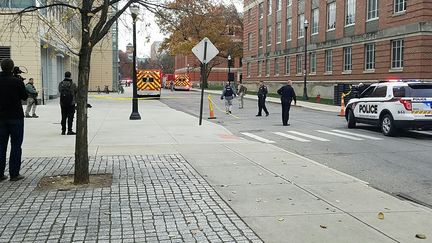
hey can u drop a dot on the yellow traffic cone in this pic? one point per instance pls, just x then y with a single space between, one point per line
212 116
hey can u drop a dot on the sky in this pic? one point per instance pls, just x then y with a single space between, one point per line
147 29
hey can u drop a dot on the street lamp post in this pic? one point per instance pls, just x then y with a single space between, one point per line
134 9
306 25
229 70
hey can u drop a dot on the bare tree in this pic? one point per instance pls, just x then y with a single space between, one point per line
96 19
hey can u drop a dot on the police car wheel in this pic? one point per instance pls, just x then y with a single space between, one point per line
351 119
387 125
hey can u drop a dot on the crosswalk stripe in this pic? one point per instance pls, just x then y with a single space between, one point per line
358 135
340 135
309 136
291 137
257 137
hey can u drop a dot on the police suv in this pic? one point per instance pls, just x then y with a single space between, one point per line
392 106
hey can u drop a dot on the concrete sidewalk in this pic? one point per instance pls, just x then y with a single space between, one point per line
281 196
309 105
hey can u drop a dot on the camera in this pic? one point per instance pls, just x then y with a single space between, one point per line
16 73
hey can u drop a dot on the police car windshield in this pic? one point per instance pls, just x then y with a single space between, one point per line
413 90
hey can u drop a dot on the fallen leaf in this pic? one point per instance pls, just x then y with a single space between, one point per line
421 236
323 226
281 219
233 192
381 215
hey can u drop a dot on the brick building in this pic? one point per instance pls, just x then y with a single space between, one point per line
348 41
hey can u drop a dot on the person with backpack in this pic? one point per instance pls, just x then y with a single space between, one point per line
12 92
241 92
228 94
68 91
32 99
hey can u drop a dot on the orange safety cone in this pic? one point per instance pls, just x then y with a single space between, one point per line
212 116
342 111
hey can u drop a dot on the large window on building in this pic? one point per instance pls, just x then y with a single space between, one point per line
276 67
399 6
328 61
278 32
331 16
350 11
347 51
269 35
299 64
260 37
269 7
259 68
372 9
17 3
288 29
249 41
370 56
300 26
287 65
267 67
261 11
278 5
289 2
397 53
5 52
315 21
312 58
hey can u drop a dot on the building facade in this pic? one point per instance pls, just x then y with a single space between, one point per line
348 41
43 44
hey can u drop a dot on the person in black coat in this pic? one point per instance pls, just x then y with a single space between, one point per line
12 92
287 94
262 95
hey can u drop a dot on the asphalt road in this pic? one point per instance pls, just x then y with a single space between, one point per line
400 165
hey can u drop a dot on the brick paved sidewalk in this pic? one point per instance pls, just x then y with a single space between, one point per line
152 199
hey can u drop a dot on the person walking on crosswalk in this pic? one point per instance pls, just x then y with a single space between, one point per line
287 94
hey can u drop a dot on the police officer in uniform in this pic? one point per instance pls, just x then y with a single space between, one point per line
262 95
287 96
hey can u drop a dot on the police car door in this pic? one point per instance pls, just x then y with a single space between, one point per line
367 107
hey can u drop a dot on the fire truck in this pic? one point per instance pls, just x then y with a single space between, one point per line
149 82
182 82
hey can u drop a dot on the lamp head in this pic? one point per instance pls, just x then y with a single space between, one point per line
229 57
306 23
134 9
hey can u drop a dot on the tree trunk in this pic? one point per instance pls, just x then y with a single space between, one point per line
81 175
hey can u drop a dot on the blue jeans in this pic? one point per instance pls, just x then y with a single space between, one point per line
13 128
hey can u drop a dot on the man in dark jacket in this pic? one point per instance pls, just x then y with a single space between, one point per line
287 95
68 91
32 99
12 91
262 95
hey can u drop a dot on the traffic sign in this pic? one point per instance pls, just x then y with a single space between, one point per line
205 51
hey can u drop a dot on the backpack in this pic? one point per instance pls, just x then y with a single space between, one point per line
66 96
229 91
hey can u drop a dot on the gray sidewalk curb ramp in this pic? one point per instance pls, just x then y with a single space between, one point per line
309 105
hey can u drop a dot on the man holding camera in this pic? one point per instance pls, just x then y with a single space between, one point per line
12 91
31 100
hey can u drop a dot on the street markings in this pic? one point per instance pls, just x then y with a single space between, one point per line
261 139
358 135
340 135
309 136
292 137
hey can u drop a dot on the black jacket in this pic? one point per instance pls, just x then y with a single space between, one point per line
287 94
262 91
12 91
